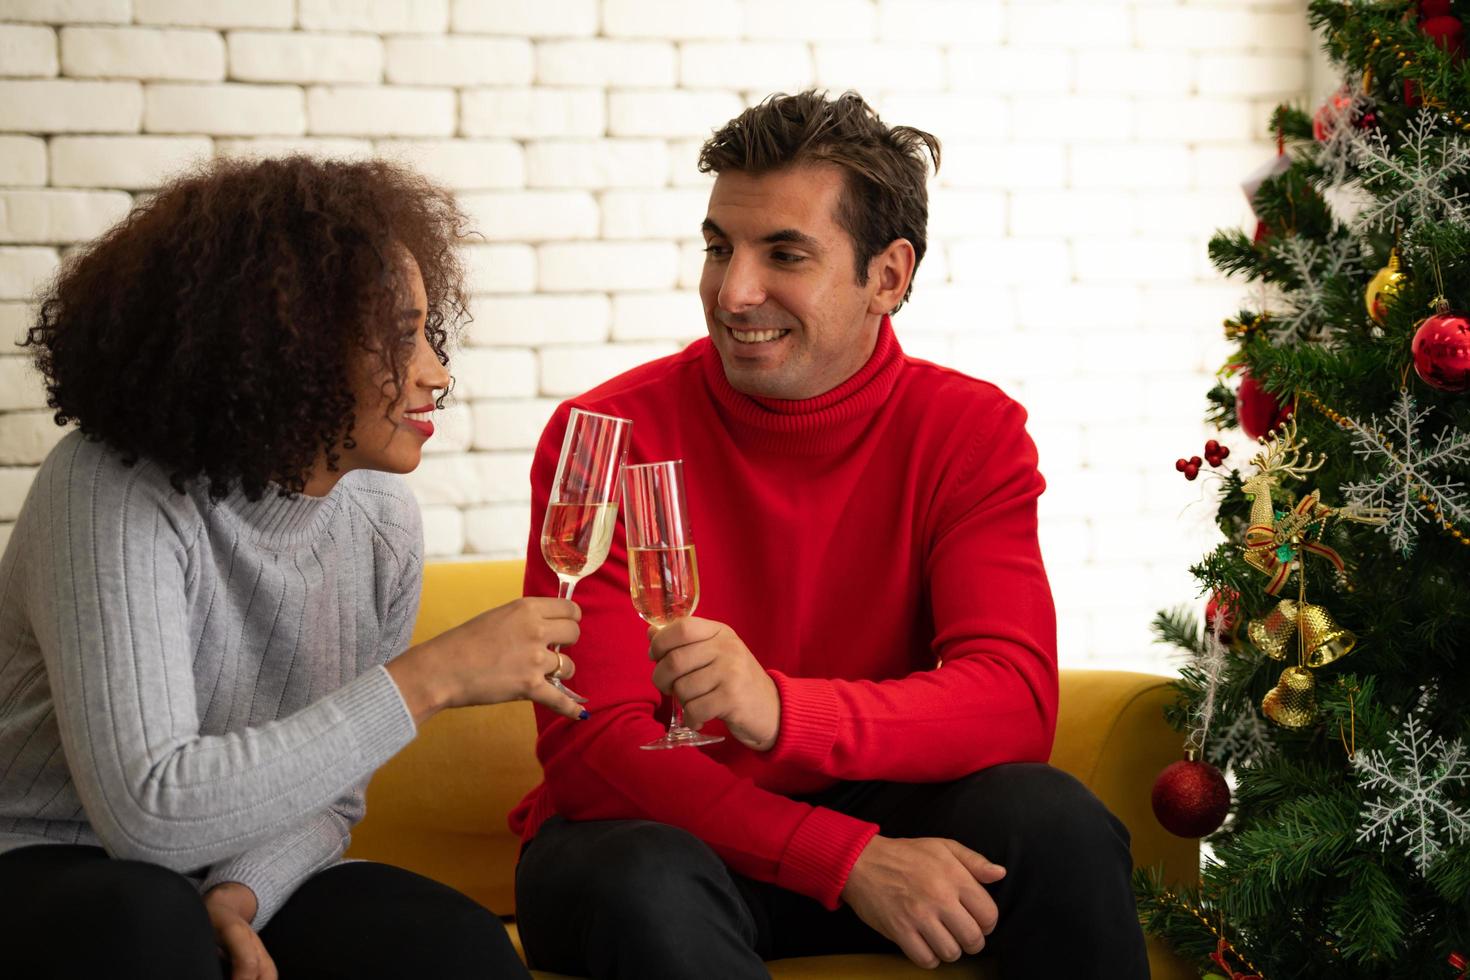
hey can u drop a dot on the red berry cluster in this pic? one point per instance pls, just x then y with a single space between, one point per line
1214 454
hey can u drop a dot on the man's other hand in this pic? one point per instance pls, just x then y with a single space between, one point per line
714 675
926 894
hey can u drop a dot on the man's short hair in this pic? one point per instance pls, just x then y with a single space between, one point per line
885 197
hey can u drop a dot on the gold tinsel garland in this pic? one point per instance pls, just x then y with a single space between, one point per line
1224 944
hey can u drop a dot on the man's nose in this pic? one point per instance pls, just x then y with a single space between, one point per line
742 287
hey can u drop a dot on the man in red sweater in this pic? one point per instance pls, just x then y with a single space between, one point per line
875 634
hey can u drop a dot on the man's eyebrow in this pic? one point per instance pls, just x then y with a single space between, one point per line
794 237
790 235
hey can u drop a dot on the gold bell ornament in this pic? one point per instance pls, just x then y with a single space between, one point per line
1292 703
1384 287
1273 633
1322 639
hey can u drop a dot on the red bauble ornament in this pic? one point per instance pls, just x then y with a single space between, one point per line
1189 467
1447 32
1257 409
1190 797
1337 106
1442 351
1224 606
1215 453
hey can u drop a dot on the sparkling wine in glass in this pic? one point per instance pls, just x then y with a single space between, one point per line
583 508
663 574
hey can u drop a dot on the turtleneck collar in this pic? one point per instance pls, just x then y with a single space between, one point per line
279 523
821 424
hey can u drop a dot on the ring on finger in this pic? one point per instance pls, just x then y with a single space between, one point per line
560 670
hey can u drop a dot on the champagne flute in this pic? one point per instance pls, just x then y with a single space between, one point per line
583 509
663 575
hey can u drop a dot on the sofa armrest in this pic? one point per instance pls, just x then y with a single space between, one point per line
1111 734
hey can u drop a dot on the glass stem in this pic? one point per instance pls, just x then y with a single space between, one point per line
564 589
676 716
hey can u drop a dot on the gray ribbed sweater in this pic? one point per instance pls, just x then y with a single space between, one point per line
200 684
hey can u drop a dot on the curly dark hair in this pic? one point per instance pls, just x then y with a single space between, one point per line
885 198
214 329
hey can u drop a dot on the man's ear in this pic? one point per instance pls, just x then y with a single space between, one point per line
891 269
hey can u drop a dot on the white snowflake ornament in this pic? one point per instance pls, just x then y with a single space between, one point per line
1407 469
1417 182
1413 808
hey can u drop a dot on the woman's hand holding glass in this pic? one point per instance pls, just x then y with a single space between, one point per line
501 655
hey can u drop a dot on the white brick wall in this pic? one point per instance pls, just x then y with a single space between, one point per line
379 111
127 162
460 61
601 62
142 52
527 18
59 217
28 51
1090 149
529 113
65 106
257 56
224 110
22 161
462 164
215 13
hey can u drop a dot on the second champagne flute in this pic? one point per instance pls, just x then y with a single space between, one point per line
583 509
663 575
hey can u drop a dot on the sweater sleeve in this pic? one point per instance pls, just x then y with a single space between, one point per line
108 560
993 697
595 770
276 868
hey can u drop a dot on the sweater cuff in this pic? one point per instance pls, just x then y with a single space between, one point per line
270 891
377 716
821 853
809 716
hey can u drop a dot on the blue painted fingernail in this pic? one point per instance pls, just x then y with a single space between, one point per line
583 716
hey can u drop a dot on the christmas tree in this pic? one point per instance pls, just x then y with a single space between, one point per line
1330 675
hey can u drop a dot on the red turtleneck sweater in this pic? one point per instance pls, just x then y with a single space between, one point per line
875 547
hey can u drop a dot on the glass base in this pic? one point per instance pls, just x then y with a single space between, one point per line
678 738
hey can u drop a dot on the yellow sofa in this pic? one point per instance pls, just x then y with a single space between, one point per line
439 806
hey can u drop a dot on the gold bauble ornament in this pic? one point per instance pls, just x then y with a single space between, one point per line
1322 639
1292 703
1384 287
1272 634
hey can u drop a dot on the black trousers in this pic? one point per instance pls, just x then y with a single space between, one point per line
637 899
73 912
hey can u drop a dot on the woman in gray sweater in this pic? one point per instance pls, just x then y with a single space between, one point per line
206 602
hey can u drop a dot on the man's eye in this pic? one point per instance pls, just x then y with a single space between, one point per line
716 251
787 258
